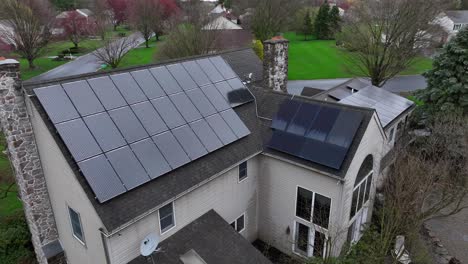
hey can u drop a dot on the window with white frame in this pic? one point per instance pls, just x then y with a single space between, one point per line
166 217
77 228
239 223
310 236
457 26
390 135
362 186
242 171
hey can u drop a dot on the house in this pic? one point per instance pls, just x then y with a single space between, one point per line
207 153
84 15
453 21
7 32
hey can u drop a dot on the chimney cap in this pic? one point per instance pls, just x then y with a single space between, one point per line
276 39
4 61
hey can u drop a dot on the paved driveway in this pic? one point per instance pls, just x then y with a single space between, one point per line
83 64
397 84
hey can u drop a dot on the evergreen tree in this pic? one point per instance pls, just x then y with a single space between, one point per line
448 80
307 27
322 25
334 19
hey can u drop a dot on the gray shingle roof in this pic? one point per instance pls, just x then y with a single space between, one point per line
213 239
458 16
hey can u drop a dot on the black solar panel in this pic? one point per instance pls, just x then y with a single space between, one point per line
315 132
240 94
125 129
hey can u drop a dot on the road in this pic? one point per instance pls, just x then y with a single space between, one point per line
397 84
83 64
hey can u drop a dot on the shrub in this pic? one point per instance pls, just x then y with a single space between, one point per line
15 243
257 46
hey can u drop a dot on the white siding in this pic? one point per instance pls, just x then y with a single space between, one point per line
65 190
224 194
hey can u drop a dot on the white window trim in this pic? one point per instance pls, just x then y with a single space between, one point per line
235 222
82 242
312 207
173 217
239 180
310 246
365 204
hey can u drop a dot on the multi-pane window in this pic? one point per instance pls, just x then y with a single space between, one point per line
390 135
321 207
304 203
362 186
242 171
76 225
302 238
457 27
166 217
321 210
239 223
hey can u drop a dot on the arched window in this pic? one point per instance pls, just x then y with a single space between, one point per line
362 185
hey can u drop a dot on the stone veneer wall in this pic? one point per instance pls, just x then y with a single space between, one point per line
275 64
25 160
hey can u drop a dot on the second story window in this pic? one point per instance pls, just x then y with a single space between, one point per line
77 228
239 223
242 171
313 206
166 217
362 186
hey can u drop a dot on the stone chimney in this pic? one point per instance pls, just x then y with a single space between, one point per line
275 63
24 158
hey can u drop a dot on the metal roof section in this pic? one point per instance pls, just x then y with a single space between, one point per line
115 126
388 105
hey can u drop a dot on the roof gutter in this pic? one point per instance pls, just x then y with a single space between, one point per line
140 217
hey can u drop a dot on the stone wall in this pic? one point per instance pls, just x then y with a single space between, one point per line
25 160
275 64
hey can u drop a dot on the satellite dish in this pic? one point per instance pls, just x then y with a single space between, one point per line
149 244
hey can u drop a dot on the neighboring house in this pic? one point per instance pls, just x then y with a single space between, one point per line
453 21
209 153
84 14
6 34
220 22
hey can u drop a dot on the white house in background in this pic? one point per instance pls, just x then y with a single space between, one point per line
207 153
220 22
453 21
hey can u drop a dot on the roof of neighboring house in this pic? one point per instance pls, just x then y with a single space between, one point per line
219 9
458 16
310 92
85 11
221 23
213 240
341 91
233 39
134 203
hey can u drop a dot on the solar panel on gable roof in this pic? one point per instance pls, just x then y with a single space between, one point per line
225 89
56 103
128 88
303 119
196 73
189 142
221 129
323 123
104 131
128 124
83 98
171 149
78 139
240 93
285 114
128 167
322 153
182 76
344 129
102 178
151 158
107 93
168 112
148 84
150 119
235 123
206 135
210 70
215 98
223 67
185 107
286 142
165 79
201 102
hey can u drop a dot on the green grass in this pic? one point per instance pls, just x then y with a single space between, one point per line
322 59
10 204
42 65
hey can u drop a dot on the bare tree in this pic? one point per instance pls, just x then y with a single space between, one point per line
142 17
27 24
385 37
114 51
103 17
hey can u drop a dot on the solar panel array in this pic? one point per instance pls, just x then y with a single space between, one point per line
388 105
314 132
126 129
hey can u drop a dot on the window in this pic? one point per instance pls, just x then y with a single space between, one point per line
304 203
242 171
239 223
76 225
319 244
302 238
390 135
457 27
362 186
321 210
166 217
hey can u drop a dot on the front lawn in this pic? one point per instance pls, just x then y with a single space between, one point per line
9 202
322 59
139 56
